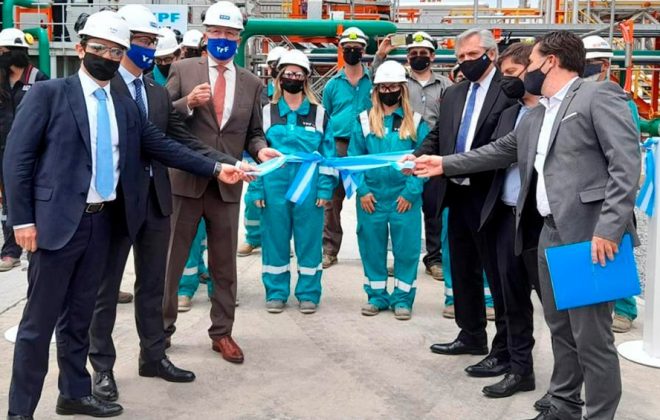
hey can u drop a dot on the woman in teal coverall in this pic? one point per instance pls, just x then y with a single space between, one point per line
294 122
388 199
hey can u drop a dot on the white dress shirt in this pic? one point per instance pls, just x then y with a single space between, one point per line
230 78
552 106
129 79
89 86
511 187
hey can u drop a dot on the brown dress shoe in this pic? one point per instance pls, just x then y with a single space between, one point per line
228 348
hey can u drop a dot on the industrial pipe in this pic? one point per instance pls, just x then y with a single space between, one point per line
307 28
8 10
650 127
44 48
39 33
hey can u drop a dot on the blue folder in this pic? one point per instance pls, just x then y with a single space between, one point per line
576 281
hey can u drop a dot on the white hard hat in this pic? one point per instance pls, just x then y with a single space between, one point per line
12 37
107 25
167 43
224 13
139 18
192 39
275 54
296 58
421 40
390 72
353 34
597 47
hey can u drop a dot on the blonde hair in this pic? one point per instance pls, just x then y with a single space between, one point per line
307 91
377 116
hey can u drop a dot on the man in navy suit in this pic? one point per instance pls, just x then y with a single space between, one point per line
73 162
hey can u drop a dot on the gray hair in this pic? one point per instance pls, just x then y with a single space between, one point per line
486 37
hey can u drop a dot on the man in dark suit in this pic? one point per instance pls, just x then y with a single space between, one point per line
150 247
518 273
469 113
74 164
221 103
580 163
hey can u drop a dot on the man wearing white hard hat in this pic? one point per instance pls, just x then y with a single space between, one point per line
426 90
222 106
346 95
599 54
17 76
167 52
191 44
74 173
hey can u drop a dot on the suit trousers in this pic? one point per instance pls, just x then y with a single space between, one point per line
9 248
583 349
150 256
470 251
222 235
518 274
332 231
62 289
432 222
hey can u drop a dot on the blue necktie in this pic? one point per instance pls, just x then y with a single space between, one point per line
461 141
105 171
139 100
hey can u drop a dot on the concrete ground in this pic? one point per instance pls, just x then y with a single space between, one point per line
335 364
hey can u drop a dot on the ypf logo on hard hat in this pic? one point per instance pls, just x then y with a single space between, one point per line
225 17
419 38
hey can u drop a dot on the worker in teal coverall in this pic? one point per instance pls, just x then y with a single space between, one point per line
294 122
389 201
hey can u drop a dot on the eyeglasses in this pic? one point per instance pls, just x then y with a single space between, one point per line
294 75
115 53
389 88
165 60
145 41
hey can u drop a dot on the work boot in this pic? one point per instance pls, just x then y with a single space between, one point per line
7 263
245 249
369 310
275 306
185 303
124 297
621 324
448 312
402 313
436 272
307 307
329 260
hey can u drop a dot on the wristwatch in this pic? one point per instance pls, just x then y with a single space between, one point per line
217 169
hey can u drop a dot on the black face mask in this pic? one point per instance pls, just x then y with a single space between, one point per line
513 87
100 68
352 56
592 70
19 57
474 69
389 98
5 61
534 80
292 86
164 69
191 53
420 63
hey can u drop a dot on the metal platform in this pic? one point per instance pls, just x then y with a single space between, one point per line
525 30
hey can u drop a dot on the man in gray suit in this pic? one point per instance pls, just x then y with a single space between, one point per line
580 165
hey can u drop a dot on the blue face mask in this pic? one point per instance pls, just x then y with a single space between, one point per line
222 49
141 56
593 69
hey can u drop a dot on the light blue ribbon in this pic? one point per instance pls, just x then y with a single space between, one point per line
646 198
349 168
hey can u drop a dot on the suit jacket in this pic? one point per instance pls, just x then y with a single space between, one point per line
165 118
442 139
591 169
243 131
48 163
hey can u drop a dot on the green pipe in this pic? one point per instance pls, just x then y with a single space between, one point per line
307 28
651 127
44 48
8 10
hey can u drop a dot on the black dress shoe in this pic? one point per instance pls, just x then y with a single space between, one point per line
488 368
511 384
17 417
543 404
105 386
458 347
88 406
549 414
165 369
